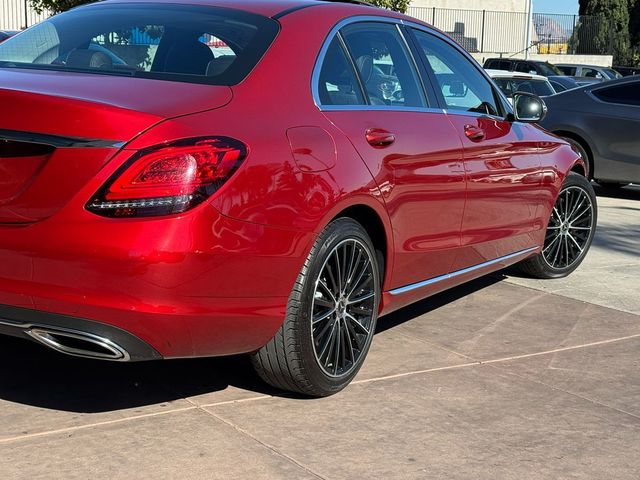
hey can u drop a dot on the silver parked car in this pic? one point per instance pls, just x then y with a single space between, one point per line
588 71
602 121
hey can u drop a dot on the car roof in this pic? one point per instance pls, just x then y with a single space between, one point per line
270 8
505 74
578 65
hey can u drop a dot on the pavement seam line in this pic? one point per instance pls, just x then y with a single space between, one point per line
269 447
574 394
507 280
563 349
496 360
91 425
435 345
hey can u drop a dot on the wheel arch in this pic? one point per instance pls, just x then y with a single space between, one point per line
374 219
586 169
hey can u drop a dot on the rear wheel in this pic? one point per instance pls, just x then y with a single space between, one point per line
331 315
569 233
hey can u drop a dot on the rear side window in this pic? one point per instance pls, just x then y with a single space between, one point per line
591 73
462 85
384 64
525 67
627 94
498 65
338 84
512 85
189 43
571 71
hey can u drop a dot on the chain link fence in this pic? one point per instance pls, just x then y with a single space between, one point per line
480 31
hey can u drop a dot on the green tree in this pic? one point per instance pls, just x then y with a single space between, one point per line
56 6
606 28
634 26
396 5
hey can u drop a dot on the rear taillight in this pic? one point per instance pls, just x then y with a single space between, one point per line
169 179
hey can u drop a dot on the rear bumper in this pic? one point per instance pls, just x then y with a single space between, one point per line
196 285
22 322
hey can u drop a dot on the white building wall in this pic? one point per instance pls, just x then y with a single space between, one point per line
489 26
496 5
18 14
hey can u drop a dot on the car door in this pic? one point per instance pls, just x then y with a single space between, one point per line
369 87
613 120
501 157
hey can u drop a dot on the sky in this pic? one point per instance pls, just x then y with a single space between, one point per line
556 6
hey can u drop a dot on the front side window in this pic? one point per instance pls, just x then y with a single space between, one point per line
461 83
627 94
384 65
190 43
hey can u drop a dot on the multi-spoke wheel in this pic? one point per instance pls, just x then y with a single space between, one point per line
331 315
569 233
343 308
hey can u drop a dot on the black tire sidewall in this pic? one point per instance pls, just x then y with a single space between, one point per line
573 180
336 232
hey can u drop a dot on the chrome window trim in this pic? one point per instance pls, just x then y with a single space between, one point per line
378 108
354 69
457 273
315 77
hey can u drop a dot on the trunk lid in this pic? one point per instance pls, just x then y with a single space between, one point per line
58 129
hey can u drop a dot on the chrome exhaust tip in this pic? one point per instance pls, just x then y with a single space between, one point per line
79 344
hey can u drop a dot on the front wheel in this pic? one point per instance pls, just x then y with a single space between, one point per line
331 316
570 231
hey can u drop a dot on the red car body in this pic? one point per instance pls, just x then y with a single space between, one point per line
215 280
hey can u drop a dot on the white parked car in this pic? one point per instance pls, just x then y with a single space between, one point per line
512 82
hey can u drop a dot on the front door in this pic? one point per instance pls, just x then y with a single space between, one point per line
501 158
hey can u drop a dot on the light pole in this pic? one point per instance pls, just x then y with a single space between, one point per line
528 31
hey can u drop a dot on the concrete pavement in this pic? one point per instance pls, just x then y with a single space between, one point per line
504 378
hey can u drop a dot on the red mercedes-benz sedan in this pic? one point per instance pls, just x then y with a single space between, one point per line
269 177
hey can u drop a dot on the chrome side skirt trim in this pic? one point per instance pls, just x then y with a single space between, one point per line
457 273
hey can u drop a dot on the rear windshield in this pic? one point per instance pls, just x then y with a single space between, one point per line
509 86
187 43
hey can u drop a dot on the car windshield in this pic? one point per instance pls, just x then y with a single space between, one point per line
549 70
509 86
188 43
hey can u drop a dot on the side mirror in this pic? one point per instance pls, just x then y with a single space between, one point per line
528 107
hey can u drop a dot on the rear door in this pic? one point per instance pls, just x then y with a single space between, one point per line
502 163
614 122
369 87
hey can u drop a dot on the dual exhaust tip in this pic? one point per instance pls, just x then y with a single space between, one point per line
79 344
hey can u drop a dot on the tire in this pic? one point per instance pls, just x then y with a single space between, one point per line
298 358
568 238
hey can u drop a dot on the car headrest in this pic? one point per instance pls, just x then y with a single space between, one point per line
219 65
81 58
189 57
365 67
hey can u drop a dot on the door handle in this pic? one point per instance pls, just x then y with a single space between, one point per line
473 133
379 138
